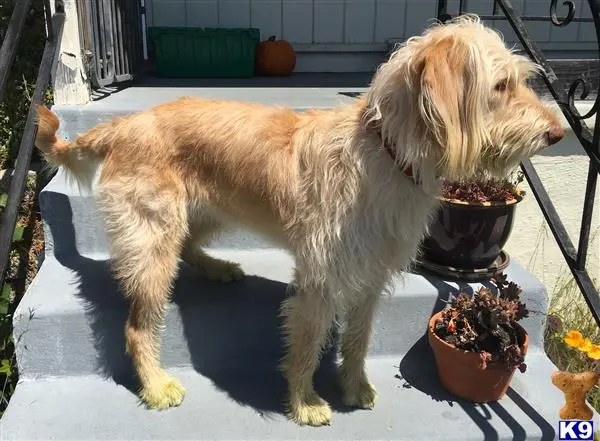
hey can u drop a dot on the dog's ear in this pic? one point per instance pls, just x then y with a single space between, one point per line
450 103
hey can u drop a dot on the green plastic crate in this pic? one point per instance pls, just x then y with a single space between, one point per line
204 52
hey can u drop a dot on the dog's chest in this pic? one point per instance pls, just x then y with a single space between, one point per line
394 223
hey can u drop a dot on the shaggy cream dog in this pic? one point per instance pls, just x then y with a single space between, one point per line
348 191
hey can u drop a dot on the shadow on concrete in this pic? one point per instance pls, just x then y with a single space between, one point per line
232 331
351 80
234 338
418 370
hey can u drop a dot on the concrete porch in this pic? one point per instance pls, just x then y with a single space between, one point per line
222 341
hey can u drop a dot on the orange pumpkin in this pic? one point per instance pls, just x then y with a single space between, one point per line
275 57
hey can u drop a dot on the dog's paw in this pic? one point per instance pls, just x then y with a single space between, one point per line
167 392
362 396
313 412
220 270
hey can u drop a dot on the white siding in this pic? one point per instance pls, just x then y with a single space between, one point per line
313 22
296 21
390 18
587 32
563 41
359 21
360 25
267 15
202 14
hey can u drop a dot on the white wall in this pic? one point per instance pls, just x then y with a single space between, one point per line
563 170
356 21
303 22
354 34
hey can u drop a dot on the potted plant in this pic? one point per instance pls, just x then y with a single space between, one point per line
472 226
477 342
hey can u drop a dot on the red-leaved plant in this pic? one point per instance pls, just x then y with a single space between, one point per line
485 323
483 189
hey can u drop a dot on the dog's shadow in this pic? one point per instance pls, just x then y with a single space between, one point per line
232 332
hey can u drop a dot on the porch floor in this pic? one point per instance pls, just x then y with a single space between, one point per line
299 90
243 404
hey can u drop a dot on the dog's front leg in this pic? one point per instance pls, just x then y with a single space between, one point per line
357 390
308 317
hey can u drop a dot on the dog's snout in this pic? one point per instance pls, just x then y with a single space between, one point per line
555 133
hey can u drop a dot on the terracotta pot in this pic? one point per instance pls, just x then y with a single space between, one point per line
462 374
469 236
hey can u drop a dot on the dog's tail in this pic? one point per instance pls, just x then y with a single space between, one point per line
79 158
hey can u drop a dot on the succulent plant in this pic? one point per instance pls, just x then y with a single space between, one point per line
485 323
483 189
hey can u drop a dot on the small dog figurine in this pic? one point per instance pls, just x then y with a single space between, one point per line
348 191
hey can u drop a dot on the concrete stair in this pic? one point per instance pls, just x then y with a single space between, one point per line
222 341
300 92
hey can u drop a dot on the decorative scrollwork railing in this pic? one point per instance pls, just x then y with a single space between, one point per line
562 21
565 96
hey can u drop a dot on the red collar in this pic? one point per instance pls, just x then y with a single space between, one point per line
408 171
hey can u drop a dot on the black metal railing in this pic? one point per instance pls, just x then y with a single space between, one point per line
54 25
564 95
111 38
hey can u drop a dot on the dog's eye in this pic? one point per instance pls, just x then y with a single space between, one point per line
501 86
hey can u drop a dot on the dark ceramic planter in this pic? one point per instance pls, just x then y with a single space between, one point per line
469 236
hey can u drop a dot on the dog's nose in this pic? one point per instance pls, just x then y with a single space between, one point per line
555 133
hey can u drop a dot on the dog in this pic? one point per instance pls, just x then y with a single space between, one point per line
348 191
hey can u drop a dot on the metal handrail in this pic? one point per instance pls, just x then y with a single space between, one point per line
8 51
589 139
23 161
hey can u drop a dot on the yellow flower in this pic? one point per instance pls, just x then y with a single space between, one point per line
594 352
585 345
574 339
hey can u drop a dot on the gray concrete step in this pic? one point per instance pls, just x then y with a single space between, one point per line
299 92
246 404
71 322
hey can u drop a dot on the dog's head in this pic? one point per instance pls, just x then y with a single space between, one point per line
456 97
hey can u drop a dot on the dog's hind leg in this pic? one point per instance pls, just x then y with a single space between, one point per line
201 231
146 223
308 317
357 390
